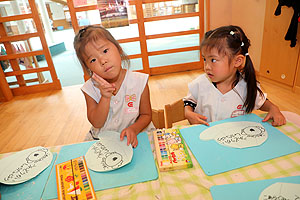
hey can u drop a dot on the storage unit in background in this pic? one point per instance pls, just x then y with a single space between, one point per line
279 61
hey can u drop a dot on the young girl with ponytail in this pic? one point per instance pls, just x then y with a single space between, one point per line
229 87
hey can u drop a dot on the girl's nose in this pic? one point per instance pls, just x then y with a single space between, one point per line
103 60
206 66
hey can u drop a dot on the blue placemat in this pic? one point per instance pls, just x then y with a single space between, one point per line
215 158
142 167
247 190
29 190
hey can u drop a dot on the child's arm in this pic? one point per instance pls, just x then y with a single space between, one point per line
97 112
273 113
194 118
145 115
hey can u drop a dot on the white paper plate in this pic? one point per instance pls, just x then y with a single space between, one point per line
109 153
24 165
241 134
281 191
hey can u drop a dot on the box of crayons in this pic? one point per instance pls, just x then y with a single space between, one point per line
73 180
171 151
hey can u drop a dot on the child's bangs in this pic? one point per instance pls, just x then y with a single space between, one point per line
214 43
96 35
92 36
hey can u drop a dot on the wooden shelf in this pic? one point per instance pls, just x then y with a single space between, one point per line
6 92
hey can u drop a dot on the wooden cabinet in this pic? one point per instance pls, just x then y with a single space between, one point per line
279 61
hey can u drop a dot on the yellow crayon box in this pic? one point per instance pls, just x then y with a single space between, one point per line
73 180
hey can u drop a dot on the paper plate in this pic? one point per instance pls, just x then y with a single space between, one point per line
109 153
240 134
24 165
281 191
110 134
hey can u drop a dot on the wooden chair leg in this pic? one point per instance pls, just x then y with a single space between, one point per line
168 116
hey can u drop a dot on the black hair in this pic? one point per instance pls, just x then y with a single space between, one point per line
231 41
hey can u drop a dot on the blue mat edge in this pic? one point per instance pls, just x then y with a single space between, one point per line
43 173
248 116
47 195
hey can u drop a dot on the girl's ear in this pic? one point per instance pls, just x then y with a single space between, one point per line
239 61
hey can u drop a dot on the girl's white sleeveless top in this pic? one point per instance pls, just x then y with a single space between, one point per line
217 106
124 106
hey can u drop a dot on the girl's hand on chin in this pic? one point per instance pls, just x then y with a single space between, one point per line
106 88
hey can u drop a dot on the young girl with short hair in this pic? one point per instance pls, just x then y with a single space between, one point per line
117 99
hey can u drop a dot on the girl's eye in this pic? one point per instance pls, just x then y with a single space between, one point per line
105 51
213 60
204 59
93 60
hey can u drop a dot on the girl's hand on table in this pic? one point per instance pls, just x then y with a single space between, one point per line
195 118
131 136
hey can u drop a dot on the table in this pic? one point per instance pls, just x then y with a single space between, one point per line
192 183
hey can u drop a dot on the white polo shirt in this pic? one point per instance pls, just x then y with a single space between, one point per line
216 106
125 105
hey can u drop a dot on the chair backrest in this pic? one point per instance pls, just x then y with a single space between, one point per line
158 118
174 113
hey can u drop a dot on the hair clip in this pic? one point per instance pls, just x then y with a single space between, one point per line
231 32
81 31
242 44
246 54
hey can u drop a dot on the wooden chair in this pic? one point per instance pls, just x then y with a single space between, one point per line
174 113
158 118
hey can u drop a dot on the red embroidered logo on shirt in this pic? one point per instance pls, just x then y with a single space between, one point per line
130 99
238 112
